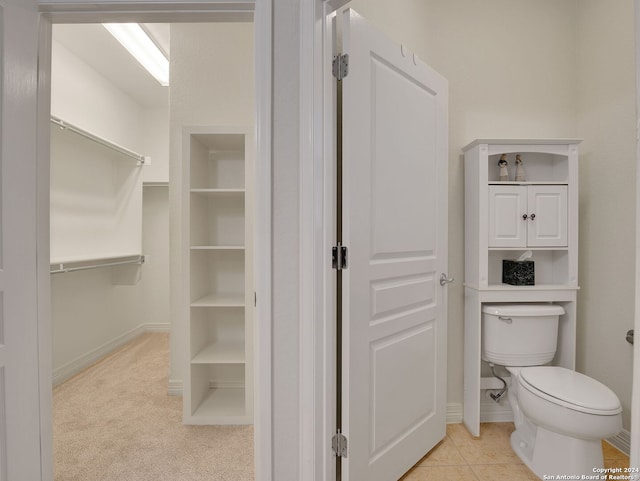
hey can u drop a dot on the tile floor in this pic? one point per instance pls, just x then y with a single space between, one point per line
461 457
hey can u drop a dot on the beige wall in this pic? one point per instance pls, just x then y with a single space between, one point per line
606 121
530 69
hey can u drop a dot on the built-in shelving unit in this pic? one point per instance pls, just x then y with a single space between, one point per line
217 225
503 219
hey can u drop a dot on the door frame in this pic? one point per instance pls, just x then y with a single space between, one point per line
84 11
635 399
317 221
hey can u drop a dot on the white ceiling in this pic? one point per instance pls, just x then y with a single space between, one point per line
97 48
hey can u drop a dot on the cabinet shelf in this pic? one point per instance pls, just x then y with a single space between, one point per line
217 248
538 287
220 300
534 249
221 352
222 402
218 192
511 182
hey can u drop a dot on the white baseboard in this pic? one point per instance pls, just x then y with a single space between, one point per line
157 327
622 441
455 413
72 368
175 387
492 412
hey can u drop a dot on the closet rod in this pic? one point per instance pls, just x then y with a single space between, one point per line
61 269
107 143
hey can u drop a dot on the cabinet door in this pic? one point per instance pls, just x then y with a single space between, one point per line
547 225
507 205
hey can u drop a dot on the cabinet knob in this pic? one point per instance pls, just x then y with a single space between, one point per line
532 216
525 216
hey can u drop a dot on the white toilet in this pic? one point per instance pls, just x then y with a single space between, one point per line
560 415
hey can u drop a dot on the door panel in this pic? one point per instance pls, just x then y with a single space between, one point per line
549 204
507 204
395 226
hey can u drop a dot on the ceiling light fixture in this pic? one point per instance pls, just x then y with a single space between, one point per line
137 42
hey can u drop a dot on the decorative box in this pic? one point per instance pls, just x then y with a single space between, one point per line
518 273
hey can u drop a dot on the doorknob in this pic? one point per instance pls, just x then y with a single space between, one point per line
444 280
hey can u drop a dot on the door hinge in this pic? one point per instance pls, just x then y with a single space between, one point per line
339 257
339 445
340 66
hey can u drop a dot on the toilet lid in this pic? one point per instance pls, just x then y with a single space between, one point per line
570 389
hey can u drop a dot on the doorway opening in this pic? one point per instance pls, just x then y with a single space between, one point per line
119 286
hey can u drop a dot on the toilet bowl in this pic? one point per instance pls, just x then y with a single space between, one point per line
560 415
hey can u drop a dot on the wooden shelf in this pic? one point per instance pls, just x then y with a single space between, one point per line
218 192
523 249
222 402
219 300
511 182
537 287
221 352
217 248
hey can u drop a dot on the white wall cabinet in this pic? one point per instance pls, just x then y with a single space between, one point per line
527 216
496 229
219 297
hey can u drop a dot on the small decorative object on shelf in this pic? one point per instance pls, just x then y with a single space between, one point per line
520 177
504 173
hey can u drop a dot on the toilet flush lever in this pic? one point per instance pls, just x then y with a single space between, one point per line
444 280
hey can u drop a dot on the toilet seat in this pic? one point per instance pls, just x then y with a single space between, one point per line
570 389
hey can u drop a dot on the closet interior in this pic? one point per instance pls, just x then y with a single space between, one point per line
135 234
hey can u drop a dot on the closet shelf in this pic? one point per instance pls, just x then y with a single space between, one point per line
72 264
100 140
522 249
221 352
217 247
153 183
219 300
223 402
218 192
511 182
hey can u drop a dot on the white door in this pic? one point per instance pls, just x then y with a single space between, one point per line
507 208
395 227
19 393
547 207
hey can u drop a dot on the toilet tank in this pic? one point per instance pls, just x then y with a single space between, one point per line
520 334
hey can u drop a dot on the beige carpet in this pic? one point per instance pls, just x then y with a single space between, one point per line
115 422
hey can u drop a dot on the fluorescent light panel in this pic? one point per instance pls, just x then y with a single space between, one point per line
137 42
